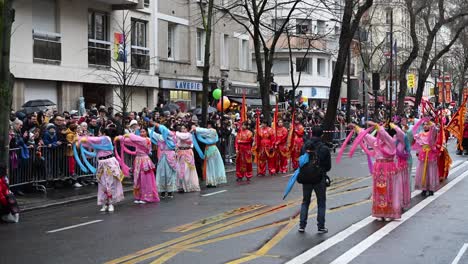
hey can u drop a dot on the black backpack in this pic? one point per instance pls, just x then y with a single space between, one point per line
311 172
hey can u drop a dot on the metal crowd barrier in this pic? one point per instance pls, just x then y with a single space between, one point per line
51 165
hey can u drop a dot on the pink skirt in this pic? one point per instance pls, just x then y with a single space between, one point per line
405 181
109 178
386 190
144 180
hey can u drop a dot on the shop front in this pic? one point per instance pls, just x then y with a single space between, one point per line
186 93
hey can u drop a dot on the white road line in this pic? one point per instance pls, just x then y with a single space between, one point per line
73 226
460 254
213 193
381 233
315 251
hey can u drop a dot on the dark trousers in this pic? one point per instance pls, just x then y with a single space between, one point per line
321 193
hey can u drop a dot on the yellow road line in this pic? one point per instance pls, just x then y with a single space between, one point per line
210 220
210 231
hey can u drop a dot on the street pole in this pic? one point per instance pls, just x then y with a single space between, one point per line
436 86
443 84
348 89
391 63
364 104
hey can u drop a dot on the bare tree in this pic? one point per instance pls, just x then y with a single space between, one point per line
254 16
206 11
6 79
353 11
438 14
122 75
458 61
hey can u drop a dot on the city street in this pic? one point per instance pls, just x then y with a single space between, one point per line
247 224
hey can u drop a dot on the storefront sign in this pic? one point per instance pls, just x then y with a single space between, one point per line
182 85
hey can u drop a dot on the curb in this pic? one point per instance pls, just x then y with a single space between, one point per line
78 199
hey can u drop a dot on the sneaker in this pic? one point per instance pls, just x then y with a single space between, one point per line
301 229
142 202
111 208
77 185
136 201
104 208
9 218
322 230
169 195
424 193
431 193
163 195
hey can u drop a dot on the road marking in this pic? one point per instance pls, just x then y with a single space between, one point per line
381 233
214 219
460 254
318 249
173 247
213 193
73 226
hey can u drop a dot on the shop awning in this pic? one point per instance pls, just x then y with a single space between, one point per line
249 101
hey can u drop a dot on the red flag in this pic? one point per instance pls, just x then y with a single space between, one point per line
243 113
457 124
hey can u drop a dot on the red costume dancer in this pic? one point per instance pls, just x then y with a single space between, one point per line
297 143
244 140
281 146
265 150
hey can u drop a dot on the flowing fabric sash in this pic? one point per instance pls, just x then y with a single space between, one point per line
104 145
358 140
198 137
343 147
167 137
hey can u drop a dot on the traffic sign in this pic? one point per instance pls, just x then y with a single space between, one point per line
411 80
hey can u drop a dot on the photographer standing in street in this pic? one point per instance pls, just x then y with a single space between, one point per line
313 176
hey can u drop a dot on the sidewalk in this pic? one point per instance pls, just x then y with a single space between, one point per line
69 194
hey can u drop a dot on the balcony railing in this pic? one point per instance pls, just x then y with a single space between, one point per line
47 47
140 58
99 53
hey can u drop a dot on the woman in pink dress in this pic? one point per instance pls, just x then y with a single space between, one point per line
386 190
403 153
187 177
427 174
108 172
144 180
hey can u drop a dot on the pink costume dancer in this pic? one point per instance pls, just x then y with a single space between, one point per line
427 175
403 154
386 190
144 181
108 173
187 177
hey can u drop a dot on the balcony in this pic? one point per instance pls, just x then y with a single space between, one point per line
99 53
140 58
47 47
124 4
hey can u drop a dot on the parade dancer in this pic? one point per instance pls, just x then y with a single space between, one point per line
281 147
297 143
266 152
386 188
403 153
144 182
187 177
108 172
427 177
9 209
166 172
213 166
244 140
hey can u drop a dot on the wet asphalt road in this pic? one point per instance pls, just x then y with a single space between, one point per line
238 224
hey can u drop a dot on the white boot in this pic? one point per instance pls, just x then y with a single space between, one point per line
16 216
9 218
104 208
111 208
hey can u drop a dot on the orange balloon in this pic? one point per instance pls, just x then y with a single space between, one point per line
226 103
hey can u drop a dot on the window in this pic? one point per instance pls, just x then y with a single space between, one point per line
321 67
224 51
388 15
333 65
171 41
147 3
47 46
99 47
303 65
276 24
281 67
303 26
244 55
337 30
321 27
140 52
200 46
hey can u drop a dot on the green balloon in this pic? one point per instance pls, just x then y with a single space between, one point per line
217 94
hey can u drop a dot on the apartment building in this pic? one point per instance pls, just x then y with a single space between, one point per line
66 49
180 53
313 38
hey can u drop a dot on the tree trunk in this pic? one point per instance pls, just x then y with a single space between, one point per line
206 63
419 91
6 80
